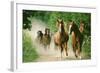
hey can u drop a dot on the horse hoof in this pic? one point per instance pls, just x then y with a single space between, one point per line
76 56
66 54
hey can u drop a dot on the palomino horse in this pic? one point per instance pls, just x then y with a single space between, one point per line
61 37
77 38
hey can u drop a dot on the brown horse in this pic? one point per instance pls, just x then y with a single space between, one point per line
77 38
61 37
46 38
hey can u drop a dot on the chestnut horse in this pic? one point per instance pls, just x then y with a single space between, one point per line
61 37
77 38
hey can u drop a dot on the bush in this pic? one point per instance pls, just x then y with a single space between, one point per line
29 53
87 47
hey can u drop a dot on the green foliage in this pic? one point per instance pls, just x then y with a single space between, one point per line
87 47
50 17
29 53
26 22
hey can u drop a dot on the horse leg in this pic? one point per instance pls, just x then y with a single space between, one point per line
79 50
61 50
66 48
74 49
74 44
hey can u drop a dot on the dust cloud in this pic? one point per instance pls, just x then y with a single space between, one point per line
49 54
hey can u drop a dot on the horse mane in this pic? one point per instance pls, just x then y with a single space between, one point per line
75 29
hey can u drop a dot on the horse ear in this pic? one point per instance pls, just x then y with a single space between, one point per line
57 20
57 24
62 21
73 22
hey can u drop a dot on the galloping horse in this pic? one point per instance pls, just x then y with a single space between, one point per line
77 38
61 37
46 38
39 37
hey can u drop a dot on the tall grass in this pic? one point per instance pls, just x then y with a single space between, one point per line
29 53
87 47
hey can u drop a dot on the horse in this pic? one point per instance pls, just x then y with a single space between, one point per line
46 38
61 37
77 38
39 36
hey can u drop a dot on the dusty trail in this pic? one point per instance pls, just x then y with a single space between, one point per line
50 54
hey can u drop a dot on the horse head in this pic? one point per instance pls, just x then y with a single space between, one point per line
47 31
71 26
39 33
60 25
81 28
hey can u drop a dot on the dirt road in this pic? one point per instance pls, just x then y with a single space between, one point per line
50 54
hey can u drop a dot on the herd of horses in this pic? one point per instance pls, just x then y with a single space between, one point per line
44 39
61 37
